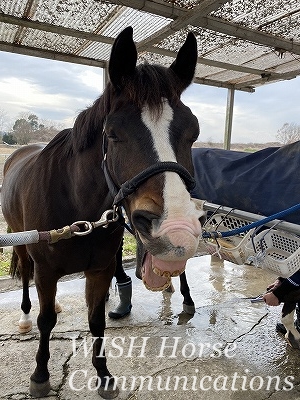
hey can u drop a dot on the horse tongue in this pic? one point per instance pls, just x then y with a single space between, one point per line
151 280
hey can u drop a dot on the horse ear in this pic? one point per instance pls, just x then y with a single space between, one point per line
186 60
123 58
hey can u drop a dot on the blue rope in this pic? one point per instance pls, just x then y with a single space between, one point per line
242 229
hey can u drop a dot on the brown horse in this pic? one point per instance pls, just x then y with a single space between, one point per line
141 134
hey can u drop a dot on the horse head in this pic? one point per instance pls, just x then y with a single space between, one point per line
148 134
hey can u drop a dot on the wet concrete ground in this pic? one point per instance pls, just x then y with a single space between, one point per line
229 349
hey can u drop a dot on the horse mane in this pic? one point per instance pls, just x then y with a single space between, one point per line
149 86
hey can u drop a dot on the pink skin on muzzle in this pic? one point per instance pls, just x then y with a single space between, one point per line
180 239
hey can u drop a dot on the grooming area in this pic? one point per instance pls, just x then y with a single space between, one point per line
228 348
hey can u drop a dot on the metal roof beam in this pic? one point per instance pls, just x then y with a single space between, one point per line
44 26
213 63
51 55
251 35
270 79
210 82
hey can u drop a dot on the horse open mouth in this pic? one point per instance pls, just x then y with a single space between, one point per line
157 273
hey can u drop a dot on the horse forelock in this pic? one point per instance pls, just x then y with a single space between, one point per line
149 86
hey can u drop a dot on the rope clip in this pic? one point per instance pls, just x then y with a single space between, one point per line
107 217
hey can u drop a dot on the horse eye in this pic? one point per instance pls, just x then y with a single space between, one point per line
112 136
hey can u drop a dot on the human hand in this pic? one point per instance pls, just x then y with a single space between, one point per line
270 299
274 285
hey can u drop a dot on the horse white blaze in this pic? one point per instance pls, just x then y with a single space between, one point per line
180 220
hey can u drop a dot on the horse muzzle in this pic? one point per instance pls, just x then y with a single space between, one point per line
167 251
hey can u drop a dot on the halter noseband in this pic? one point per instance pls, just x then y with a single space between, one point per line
130 186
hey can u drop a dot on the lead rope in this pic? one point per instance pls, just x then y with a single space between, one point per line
78 228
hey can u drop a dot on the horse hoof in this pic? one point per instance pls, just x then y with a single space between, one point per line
25 326
189 309
39 389
58 308
292 341
109 392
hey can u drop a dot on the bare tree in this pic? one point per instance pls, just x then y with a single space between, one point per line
288 133
22 131
4 120
28 128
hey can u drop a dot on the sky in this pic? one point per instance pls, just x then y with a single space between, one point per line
58 91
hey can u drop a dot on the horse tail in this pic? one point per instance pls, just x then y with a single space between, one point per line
14 269
15 266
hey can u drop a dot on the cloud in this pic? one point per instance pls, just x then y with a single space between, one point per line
256 116
50 89
58 91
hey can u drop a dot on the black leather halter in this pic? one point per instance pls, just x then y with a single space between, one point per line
130 186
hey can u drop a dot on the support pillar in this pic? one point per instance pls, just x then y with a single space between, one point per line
105 76
228 121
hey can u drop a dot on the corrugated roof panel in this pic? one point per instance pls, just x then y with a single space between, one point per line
51 41
98 51
241 33
152 58
288 66
84 15
246 79
228 76
287 27
13 7
237 52
269 61
188 4
206 70
8 32
206 40
144 24
261 14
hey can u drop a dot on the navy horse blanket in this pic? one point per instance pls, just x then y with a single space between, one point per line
264 182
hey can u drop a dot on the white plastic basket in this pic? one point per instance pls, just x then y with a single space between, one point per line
232 248
276 250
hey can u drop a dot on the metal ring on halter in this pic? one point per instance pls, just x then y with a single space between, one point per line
87 226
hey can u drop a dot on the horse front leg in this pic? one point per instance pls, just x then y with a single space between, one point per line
39 380
97 284
188 303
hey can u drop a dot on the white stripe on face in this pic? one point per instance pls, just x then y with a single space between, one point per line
176 197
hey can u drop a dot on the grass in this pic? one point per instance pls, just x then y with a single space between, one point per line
129 245
5 262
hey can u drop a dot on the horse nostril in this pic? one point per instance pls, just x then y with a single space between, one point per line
142 221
